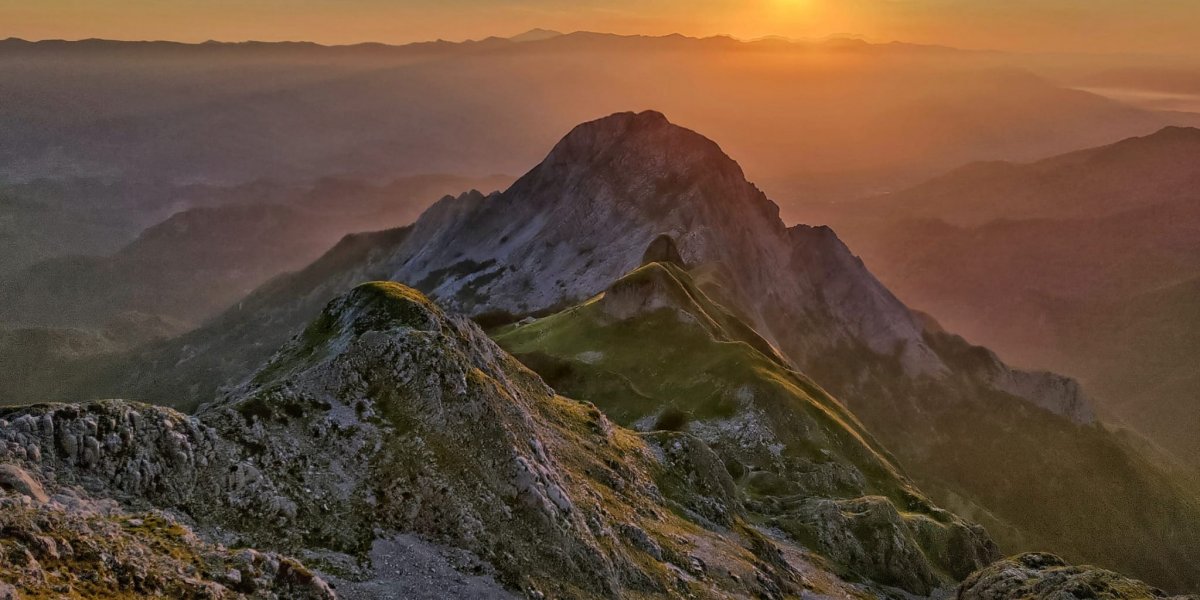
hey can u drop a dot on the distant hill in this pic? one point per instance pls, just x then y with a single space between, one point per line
832 119
535 35
200 261
1083 263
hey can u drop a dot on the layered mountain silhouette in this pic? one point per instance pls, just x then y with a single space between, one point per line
1097 251
199 261
838 118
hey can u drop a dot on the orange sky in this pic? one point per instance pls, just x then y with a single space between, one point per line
1056 25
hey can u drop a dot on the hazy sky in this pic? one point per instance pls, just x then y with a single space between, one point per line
1071 25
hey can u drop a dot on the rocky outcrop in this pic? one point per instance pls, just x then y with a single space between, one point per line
1038 576
1055 393
663 250
387 417
70 545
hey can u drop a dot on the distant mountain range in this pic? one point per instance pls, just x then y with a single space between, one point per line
536 35
1095 253
831 119
636 269
199 261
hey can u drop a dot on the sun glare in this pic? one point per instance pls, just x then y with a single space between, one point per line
791 5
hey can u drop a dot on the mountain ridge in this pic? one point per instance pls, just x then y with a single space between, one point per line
387 416
568 229
1115 223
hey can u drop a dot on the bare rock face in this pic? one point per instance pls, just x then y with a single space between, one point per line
1037 576
392 414
1055 393
70 545
15 479
387 416
663 250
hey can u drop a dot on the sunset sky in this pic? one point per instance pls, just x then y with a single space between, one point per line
1058 25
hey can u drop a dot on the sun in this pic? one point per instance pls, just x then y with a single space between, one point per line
788 9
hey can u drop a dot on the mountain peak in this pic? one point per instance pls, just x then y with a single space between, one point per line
374 307
645 153
536 35
623 128
1177 132
393 304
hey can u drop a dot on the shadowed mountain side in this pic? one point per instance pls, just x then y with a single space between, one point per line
1101 280
200 261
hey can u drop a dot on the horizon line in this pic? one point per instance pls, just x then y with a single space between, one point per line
782 39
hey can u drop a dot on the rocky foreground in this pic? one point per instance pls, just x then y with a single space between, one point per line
388 425
385 417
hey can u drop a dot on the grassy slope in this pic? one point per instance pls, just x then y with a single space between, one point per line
1102 498
698 370
694 370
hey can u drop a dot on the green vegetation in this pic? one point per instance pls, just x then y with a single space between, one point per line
655 352
689 361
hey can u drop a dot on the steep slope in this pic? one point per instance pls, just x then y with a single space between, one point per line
650 353
386 417
1093 249
1140 354
587 213
655 352
584 217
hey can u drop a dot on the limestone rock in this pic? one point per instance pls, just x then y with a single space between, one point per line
1037 576
386 417
15 479
663 250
